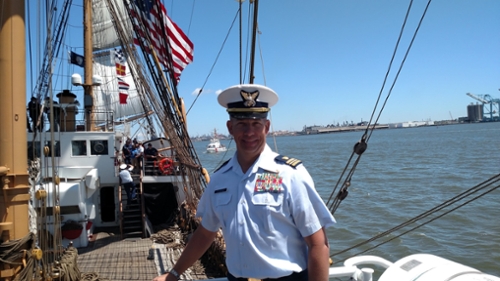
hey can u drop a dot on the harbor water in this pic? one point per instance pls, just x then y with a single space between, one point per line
402 174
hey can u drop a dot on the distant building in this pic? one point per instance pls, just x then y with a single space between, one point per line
475 112
411 124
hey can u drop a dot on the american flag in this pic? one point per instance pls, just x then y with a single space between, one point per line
152 14
120 62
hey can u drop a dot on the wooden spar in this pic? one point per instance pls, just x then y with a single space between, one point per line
14 196
88 90
184 114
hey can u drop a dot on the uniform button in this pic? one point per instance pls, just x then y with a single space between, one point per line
241 222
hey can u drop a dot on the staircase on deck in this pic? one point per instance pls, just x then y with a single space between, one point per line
132 217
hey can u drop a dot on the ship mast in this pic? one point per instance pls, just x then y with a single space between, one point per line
88 83
14 196
254 36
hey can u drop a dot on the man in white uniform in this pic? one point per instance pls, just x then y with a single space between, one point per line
127 182
272 218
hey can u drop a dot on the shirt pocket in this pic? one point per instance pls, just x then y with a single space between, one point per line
267 199
222 202
267 207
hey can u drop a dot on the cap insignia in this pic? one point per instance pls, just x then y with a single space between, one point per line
249 98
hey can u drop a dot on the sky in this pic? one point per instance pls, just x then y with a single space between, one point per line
327 59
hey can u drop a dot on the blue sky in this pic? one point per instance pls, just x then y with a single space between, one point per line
327 59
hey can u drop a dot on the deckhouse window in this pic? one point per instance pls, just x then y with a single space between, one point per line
99 147
79 148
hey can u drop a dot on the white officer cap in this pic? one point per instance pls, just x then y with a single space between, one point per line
246 101
123 166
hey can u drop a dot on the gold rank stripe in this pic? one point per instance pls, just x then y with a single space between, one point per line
293 162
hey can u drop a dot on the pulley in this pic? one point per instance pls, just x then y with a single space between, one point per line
46 151
37 254
360 146
41 194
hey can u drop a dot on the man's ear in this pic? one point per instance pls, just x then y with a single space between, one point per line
268 125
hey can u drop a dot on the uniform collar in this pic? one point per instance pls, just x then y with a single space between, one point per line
265 162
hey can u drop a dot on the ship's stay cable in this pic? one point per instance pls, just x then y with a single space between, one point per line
400 67
215 62
240 42
170 117
431 215
259 33
191 17
51 44
335 198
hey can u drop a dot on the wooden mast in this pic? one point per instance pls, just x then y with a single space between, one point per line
88 83
254 36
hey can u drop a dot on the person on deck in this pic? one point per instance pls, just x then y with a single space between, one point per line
57 113
140 156
150 153
273 220
127 151
127 182
34 110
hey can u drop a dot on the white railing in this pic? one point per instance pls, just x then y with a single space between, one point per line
349 269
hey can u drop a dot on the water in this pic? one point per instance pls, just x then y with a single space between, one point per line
403 173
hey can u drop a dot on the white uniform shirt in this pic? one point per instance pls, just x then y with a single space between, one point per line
264 215
125 176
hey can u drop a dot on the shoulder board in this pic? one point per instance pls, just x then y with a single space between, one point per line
223 164
292 162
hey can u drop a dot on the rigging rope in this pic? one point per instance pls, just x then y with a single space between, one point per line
486 186
215 62
335 200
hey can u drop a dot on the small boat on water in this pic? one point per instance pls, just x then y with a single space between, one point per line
215 146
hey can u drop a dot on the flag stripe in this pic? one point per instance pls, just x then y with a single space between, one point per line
122 85
180 46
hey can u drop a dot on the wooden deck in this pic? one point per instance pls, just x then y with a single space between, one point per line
112 258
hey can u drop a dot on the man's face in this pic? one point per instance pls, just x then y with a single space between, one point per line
249 135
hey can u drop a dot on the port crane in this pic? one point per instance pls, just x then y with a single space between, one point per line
490 105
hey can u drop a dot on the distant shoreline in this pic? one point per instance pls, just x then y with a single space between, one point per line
316 130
